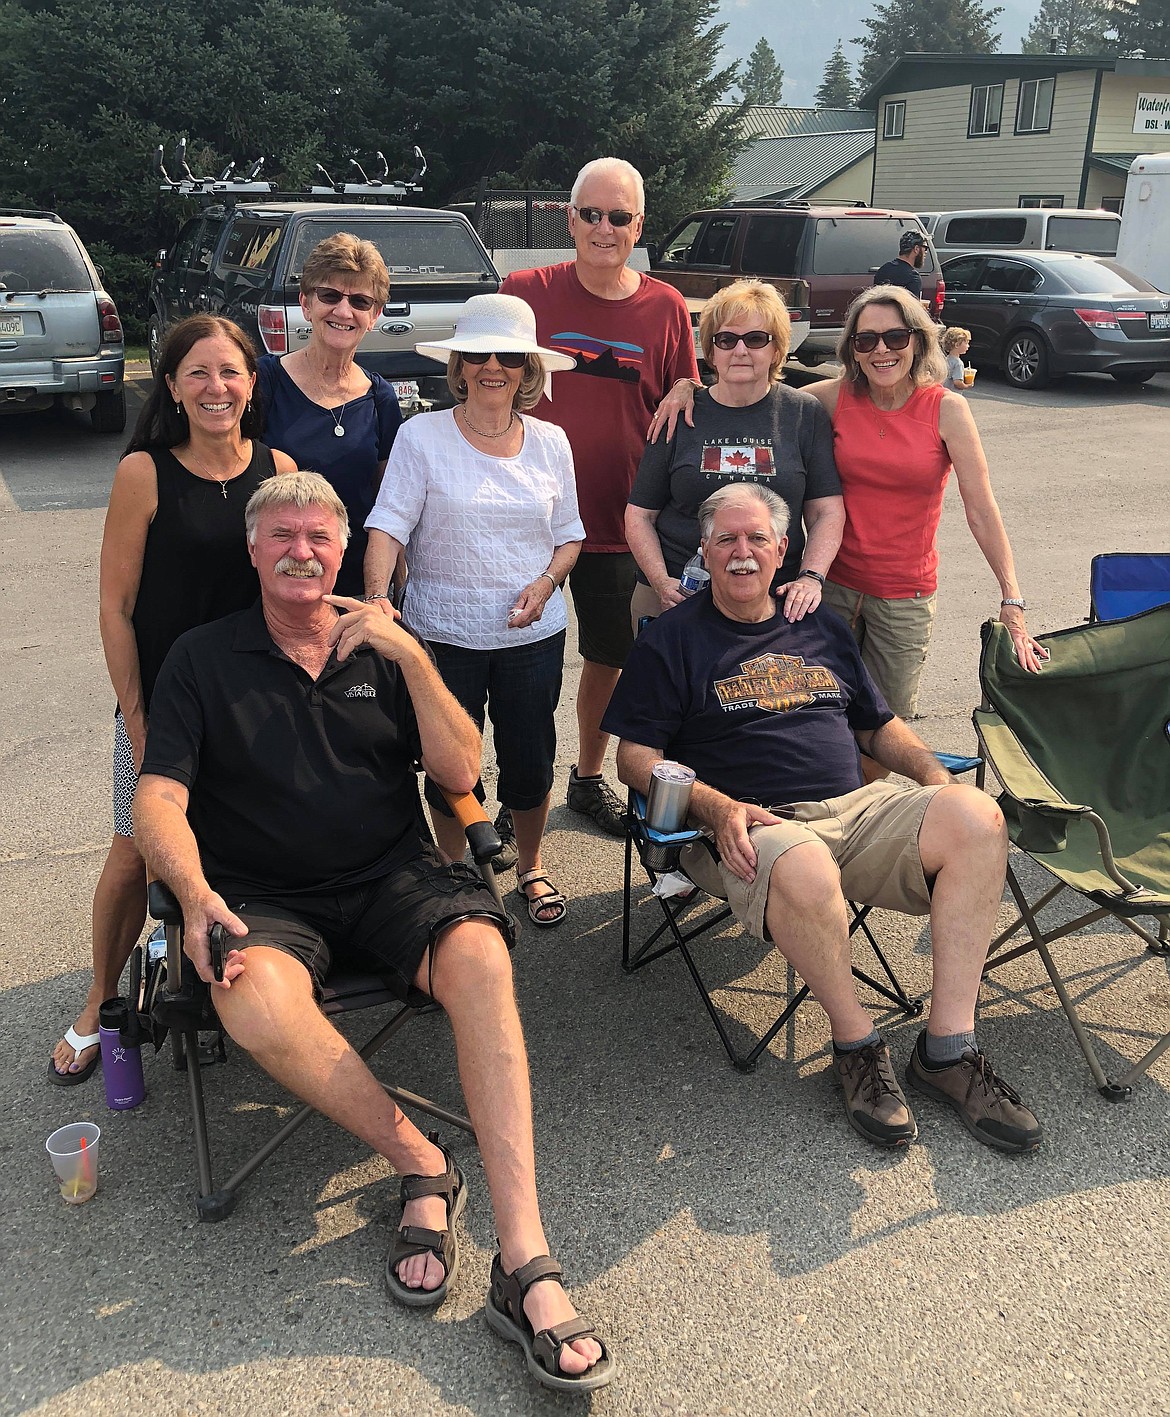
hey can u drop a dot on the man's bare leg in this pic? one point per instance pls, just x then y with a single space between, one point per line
806 916
593 694
471 977
963 846
119 912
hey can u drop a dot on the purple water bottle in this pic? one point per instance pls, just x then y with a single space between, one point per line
121 1055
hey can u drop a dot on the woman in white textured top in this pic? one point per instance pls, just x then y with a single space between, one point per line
485 503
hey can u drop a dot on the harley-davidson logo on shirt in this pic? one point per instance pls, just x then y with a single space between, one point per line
777 683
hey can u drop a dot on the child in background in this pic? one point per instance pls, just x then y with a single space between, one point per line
955 343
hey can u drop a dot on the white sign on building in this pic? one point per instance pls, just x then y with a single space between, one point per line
1152 114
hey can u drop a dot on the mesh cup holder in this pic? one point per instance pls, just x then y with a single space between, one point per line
661 858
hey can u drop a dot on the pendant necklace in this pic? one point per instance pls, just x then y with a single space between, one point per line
338 430
221 482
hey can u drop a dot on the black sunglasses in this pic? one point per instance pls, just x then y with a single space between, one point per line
507 359
754 339
867 341
328 296
593 216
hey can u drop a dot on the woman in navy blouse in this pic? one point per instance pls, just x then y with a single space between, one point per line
322 408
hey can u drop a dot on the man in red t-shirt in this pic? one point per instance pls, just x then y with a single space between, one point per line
631 336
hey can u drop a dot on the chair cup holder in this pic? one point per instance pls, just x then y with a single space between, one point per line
661 858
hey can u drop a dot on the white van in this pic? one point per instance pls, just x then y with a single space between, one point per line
1094 233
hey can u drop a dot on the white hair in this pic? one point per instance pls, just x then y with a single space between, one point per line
611 166
736 493
295 489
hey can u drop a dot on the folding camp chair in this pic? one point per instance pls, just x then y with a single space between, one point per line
687 918
172 1000
1123 583
1083 753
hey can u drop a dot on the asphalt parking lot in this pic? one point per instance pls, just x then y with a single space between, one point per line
739 1247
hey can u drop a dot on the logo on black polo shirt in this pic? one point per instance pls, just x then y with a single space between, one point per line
777 683
361 691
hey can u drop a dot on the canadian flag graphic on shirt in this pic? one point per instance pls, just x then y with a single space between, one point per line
738 462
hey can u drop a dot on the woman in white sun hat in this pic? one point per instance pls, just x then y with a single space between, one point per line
484 504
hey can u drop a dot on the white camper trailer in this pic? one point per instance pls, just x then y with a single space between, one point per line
1144 241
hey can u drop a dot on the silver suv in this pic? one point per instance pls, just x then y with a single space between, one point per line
60 336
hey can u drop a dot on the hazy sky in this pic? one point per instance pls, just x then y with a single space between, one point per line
803 33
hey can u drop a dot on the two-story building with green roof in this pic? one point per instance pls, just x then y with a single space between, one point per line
1014 130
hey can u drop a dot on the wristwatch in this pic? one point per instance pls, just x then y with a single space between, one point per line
1023 604
812 575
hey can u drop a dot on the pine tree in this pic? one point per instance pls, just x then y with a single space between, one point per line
1078 26
837 88
762 80
900 27
1144 25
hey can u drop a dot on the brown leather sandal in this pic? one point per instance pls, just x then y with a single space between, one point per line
504 1311
418 1240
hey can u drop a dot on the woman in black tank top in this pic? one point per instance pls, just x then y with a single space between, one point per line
174 556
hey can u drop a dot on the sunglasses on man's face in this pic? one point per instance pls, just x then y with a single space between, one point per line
866 341
328 296
754 339
506 359
593 215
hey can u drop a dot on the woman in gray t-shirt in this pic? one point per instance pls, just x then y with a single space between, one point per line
747 428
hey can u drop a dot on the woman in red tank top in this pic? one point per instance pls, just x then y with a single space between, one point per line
897 434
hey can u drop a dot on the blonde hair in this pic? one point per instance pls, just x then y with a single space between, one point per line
953 337
295 489
526 396
748 300
928 365
344 254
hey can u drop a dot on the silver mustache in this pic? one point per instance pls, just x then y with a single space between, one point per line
290 565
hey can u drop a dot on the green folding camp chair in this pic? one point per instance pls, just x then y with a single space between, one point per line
1083 752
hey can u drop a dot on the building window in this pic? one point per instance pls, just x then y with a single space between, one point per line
1033 200
1034 106
895 122
1112 204
986 108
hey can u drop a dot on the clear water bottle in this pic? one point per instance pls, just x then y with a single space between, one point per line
695 576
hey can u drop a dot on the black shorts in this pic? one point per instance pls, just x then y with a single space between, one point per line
602 583
384 926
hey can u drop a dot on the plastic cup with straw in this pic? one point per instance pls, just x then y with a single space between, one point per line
73 1151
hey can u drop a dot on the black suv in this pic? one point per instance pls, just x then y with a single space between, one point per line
819 256
244 261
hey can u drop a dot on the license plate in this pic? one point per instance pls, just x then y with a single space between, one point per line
406 389
11 324
1160 322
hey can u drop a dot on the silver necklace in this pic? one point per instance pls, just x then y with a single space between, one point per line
338 430
222 482
480 432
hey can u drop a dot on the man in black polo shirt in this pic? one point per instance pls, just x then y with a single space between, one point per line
903 269
278 797
771 711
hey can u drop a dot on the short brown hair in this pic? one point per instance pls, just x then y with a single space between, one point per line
928 366
749 300
344 254
527 395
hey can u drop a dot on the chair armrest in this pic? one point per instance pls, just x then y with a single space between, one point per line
1021 778
481 835
956 763
163 903
638 820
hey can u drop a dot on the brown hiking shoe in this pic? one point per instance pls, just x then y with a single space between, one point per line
990 1110
874 1102
593 797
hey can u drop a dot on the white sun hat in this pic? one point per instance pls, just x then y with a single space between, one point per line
488 323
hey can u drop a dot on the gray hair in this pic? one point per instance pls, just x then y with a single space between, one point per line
295 489
611 166
739 492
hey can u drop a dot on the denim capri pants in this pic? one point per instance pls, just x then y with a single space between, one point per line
520 686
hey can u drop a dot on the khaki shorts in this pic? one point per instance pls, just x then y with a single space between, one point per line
873 837
893 635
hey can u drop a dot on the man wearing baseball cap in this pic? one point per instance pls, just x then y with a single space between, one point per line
903 269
